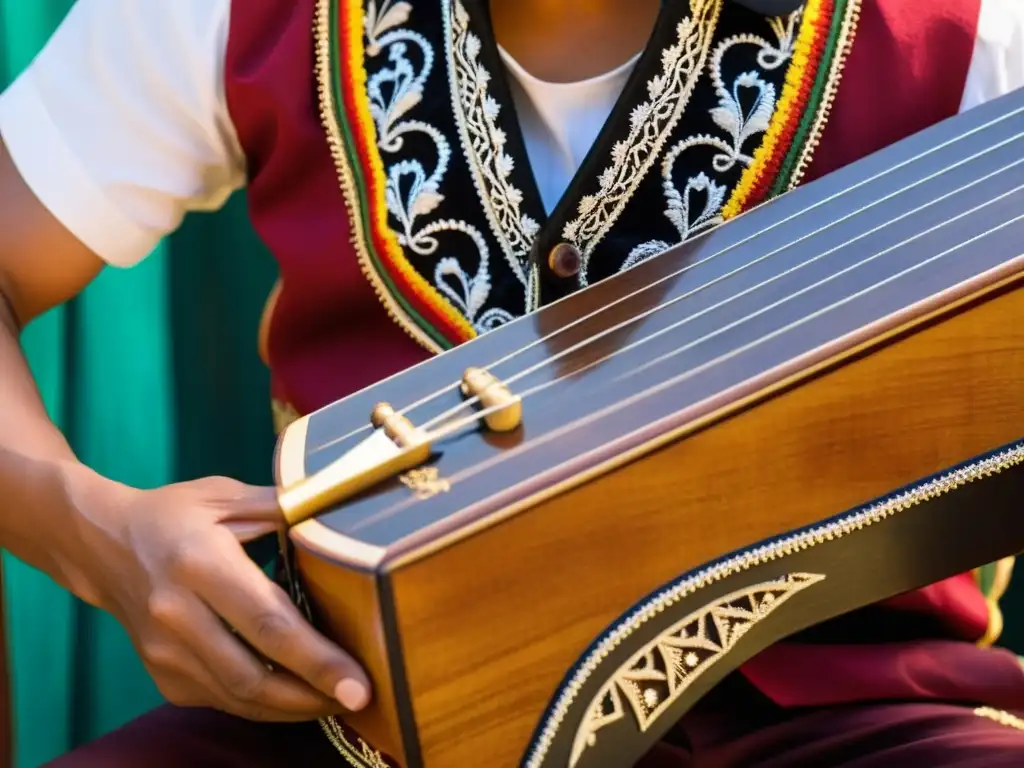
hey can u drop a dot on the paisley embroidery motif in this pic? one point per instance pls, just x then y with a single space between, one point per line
812 43
350 127
419 230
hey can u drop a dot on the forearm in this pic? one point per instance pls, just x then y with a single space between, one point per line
41 480
24 424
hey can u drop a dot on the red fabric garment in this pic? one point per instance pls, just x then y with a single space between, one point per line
806 675
733 727
330 336
906 71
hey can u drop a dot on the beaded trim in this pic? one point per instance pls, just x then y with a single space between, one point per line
800 77
424 304
845 20
1001 716
819 56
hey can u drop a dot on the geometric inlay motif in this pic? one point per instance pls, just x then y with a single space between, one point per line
362 755
660 672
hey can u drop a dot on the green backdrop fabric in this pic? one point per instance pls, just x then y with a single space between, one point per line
154 375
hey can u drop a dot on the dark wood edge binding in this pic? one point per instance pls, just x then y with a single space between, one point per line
652 436
897 548
399 682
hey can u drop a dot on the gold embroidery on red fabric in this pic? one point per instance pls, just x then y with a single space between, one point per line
1001 716
284 415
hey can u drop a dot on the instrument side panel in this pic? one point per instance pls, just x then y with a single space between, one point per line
532 592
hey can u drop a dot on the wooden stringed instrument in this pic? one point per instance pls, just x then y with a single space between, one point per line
811 408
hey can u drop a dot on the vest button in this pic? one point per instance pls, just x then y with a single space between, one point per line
565 260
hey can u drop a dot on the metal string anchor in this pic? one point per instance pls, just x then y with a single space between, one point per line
502 411
397 446
396 426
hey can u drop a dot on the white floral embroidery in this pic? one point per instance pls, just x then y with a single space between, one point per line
483 142
651 124
785 29
678 210
469 293
377 21
644 251
412 193
533 288
405 85
739 123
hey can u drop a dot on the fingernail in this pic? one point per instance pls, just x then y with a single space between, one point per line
352 695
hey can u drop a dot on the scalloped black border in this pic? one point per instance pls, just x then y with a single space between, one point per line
911 549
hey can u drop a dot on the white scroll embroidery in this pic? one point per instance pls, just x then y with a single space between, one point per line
651 124
412 193
738 122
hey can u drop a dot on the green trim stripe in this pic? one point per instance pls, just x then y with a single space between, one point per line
356 167
814 102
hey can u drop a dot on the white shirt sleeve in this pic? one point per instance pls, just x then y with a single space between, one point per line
997 66
120 125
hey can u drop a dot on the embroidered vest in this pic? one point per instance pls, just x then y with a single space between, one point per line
388 174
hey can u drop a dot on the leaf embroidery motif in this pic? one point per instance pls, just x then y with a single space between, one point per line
739 122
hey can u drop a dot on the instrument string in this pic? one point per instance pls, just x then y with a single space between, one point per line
454 426
471 401
690 318
477 468
759 233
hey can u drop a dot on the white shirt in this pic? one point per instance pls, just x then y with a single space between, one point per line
120 125
561 121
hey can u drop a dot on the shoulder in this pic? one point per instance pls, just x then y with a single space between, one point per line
997 65
119 124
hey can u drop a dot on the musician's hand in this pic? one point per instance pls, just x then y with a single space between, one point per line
169 565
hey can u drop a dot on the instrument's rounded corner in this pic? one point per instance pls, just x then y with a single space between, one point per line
319 539
290 454
289 470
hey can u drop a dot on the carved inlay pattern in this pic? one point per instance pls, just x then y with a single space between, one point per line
658 674
425 482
